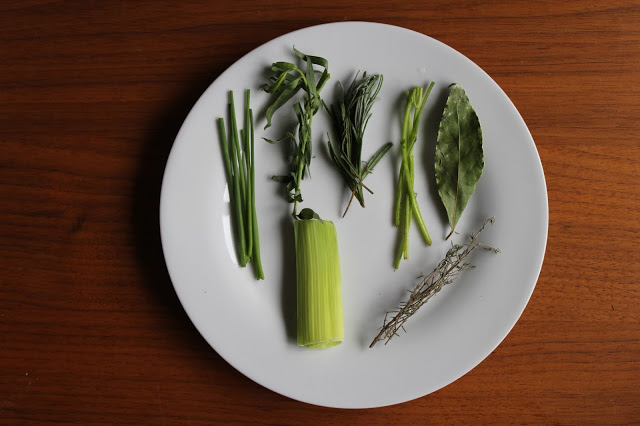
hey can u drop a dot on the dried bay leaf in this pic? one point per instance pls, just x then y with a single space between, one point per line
459 158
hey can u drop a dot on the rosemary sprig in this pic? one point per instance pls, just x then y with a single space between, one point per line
288 80
350 117
446 272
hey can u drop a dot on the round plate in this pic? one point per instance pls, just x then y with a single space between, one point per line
251 324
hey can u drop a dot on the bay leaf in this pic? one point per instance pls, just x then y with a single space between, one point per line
459 158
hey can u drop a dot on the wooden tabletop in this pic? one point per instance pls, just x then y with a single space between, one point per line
92 95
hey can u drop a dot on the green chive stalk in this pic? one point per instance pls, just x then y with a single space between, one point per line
406 205
238 155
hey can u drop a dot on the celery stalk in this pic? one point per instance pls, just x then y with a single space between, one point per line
319 293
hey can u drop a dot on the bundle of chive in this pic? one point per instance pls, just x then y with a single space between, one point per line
240 171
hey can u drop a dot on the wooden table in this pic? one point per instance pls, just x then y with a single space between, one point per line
92 95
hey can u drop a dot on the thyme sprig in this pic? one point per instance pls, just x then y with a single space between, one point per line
288 80
350 116
446 272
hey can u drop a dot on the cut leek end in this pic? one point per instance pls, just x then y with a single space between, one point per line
319 293
321 345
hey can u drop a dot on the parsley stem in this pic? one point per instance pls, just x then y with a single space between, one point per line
399 189
405 203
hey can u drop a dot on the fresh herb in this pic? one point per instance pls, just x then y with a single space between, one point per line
459 156
406 205
350 117
308 214
447 271
288 80
319 297
238 155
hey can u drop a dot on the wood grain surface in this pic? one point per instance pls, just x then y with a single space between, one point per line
92 94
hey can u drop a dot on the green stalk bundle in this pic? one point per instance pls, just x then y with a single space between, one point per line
238 154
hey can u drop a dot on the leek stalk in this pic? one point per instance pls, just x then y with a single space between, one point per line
319 294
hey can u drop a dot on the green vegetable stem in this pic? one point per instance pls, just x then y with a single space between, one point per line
238 156
406 206
319 294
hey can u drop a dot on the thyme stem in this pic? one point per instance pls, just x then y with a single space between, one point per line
446 272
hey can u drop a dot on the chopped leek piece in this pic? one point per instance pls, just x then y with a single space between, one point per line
319 293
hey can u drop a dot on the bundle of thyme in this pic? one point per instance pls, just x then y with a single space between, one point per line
447 271
350 116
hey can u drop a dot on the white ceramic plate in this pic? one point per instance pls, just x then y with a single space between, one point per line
251 324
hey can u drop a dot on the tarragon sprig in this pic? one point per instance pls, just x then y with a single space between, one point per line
288 80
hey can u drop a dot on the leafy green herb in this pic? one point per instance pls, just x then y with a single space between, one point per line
350 117
238 155
406 205
289 80
459 156
446 272
308 214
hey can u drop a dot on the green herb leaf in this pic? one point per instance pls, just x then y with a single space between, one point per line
288 93
459 159
308 214
282 178
375 158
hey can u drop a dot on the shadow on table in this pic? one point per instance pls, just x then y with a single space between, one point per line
146 202
146 221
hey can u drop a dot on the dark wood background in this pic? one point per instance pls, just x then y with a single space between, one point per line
92 94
